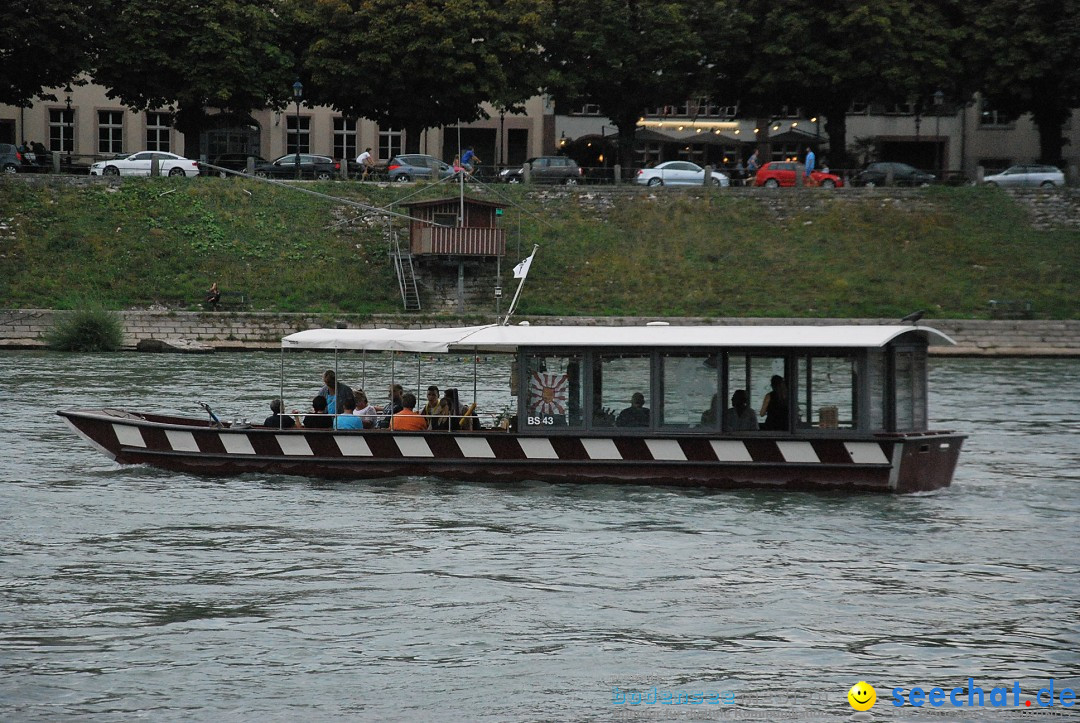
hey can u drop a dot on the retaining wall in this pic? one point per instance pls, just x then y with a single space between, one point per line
223 331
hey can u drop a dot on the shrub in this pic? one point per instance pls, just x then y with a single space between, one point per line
89 329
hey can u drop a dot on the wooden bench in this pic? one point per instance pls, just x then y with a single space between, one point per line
1010 309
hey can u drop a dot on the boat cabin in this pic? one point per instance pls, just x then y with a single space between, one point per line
682 380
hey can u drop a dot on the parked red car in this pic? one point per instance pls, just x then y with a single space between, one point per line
782 173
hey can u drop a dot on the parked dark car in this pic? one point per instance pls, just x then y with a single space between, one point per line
236 162
545 169
322 168
12 160
877 174
407 167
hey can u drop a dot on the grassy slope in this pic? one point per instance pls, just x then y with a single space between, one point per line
813 253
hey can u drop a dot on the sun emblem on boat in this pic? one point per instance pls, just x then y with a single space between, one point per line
547 393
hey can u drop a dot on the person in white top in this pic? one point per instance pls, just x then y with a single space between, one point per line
366 162
364 409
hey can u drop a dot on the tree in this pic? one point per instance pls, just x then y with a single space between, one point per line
626 56
824 55
45 44
416 64
227 54
1028 50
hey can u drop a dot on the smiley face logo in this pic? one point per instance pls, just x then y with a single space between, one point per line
862 696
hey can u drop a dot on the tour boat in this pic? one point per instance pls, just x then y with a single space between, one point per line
651 404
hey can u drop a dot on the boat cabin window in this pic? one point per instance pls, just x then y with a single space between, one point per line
829 391
689 389
554 395
877 383
622 390
910 380
753 374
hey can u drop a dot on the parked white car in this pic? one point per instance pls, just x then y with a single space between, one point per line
138 164
679 173
1027 176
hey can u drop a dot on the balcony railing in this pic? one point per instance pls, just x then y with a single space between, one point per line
459 241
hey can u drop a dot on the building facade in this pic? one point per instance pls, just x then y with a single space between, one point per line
951 139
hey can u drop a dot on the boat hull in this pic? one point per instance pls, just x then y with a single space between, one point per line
891 464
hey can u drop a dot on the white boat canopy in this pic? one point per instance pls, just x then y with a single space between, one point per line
496 338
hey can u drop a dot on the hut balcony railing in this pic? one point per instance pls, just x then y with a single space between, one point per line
458 241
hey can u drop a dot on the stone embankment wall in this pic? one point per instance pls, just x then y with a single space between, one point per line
235 331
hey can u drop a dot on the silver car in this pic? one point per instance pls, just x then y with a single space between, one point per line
1027 176
679 173
140 164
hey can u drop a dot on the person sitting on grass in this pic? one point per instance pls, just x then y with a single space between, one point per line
213 296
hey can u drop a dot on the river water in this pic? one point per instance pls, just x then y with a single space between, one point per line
137 593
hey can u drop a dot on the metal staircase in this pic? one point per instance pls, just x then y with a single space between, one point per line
406 275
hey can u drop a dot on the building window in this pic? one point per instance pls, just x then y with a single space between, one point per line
647 154
991 118
390 143
298 141
695 153
900 109
588 109
158 132
61 130
344 138
110 131
859 107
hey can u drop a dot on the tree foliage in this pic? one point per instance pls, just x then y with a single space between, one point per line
824 55
228 54
417 64
628 55
44 44
1029 51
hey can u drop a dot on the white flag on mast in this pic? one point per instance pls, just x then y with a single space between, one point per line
522 269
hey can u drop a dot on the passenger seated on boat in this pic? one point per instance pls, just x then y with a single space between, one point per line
392 407
348 419
451 409
434 407
775 405
636 415
319 419
277 420
367 413
710 415
334 392
740 417
469 420
407 420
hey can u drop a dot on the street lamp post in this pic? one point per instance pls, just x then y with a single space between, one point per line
69 142
939 100
297 94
